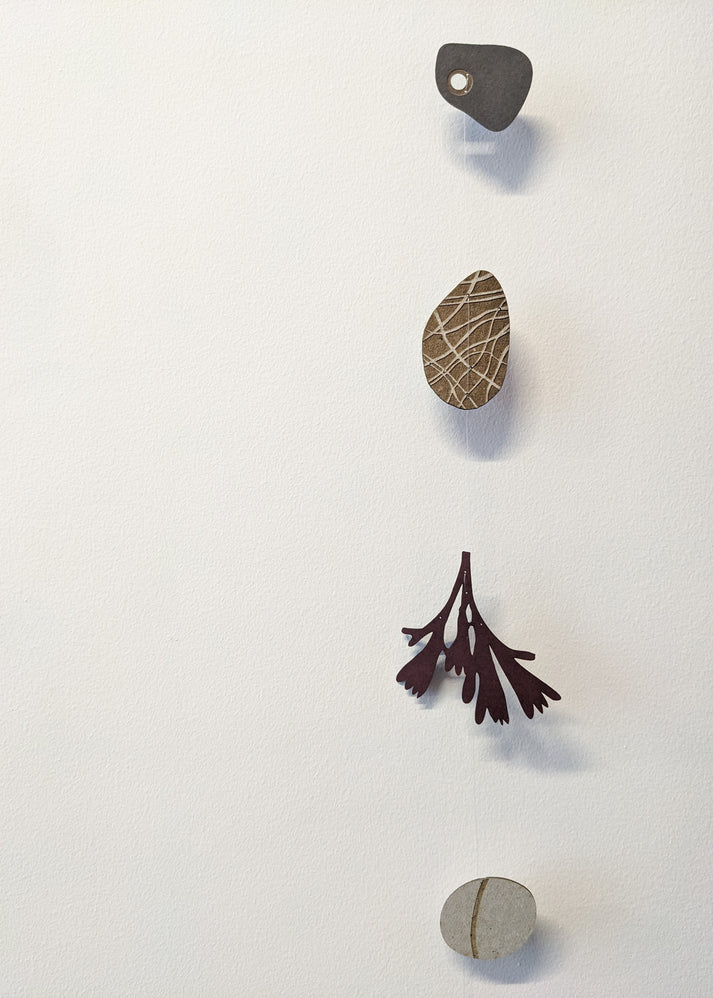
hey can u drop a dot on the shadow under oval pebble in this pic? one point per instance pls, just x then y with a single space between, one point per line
508 160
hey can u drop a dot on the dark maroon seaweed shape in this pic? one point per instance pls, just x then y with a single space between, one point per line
417 674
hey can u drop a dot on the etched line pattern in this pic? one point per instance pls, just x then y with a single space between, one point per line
474 919
466 342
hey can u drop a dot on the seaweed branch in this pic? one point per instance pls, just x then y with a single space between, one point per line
473 652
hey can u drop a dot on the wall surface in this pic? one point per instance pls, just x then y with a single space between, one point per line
226 487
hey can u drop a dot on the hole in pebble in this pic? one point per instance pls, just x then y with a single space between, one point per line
460 82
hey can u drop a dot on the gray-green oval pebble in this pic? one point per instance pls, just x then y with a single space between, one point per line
488 918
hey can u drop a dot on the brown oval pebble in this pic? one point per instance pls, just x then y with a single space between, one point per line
488 918
466 342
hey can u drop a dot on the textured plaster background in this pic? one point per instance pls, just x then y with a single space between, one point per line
226 487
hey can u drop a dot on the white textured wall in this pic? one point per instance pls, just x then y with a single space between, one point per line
226 487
